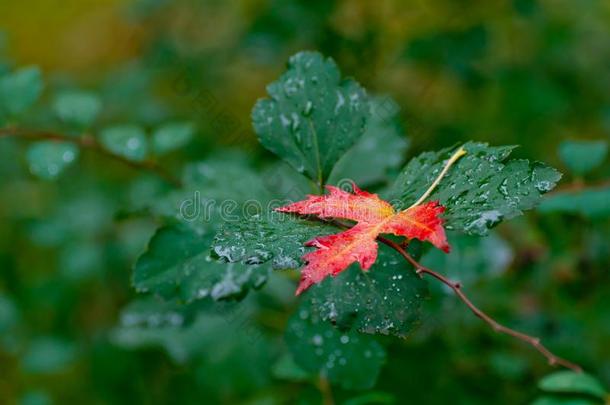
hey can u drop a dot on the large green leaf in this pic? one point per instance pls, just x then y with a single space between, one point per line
274 237
593 203
382 147
177 265
386 299
312 116
480 190
581 157
349 359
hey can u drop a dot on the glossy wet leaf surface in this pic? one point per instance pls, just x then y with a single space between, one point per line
480 190
177 265
387 299
275 237
312 116
19 90
348 359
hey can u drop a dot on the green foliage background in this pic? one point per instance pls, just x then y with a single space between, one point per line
74 330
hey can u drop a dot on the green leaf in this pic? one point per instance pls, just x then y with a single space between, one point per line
589 203
382 147
49 159
177 265
480 190
8 314
287 369
312 116
273 236
350 359
571 382
581 157
48 355
128 141
78 108
20 89
548 400
386 299
172 136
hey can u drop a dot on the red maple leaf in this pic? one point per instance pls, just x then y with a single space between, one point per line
373 216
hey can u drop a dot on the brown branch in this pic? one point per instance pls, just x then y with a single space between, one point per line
457 288
89 142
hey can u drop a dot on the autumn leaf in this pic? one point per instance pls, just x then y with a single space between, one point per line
373 216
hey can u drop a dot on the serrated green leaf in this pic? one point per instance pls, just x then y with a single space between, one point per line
177 265
20 89
382 147
274 237
349 359
589 203
172 136
312 116
78 108
480 190
49 159
581 157
386 299
128 141
571 382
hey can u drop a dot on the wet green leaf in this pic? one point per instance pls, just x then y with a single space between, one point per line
287 369
571 382
128 141
382 147
177 265
387 299
481 189
312 116
20 89
78 108
172 136
49 159
349 359
581 157
274 237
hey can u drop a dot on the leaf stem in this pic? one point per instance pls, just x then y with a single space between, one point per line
326 391
89 142
457 288
454 158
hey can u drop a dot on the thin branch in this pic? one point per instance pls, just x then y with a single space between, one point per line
89 142
457 288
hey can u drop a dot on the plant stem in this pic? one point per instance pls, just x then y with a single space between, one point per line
326 391
89 142
457 288
454 158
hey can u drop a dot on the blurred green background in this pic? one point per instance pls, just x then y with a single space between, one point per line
529 72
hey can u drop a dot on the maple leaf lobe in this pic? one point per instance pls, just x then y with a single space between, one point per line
373 216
